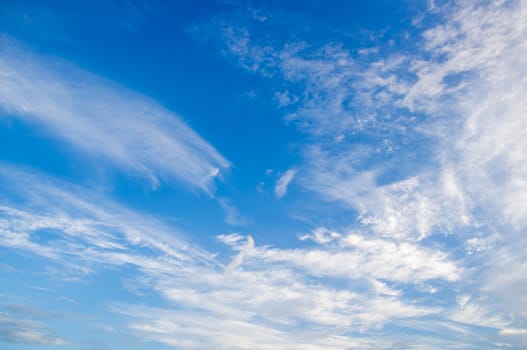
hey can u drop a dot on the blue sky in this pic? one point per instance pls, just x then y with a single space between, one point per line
263 175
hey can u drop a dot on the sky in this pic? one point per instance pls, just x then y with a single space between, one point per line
263 174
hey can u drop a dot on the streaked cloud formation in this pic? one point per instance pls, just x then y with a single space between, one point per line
26 331
459 99
232 215
262 289
104 120
411 165
283 182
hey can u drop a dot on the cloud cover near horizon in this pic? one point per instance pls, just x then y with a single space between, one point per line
405 227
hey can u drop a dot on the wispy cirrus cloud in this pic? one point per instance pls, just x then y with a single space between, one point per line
202 330
436 250
422 142
80 235
283 182
354 256
448 98
26 331
263 294
104 120
265 301
232 214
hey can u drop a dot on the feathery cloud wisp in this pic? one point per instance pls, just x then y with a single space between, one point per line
283 182
262 289
232 214
105 120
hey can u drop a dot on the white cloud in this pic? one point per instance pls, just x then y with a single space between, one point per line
464 85
262 294
88 230
393 267
24 331
198 331
513 331
283 182
504 279
481 243
477 313
232 215
355 257
231 239
261 298
273 302
261 303
104 120
459 99
444 150
321 235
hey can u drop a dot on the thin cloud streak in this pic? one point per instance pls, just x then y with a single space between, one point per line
90 234
102 119
26 331
232 214
283 182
